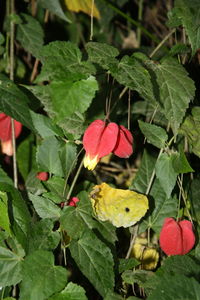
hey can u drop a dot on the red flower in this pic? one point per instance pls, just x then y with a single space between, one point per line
6 133
73 201
176 238
100 139
43 176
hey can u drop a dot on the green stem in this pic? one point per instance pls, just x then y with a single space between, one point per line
132 21
140 9
75 179
162 42
12 36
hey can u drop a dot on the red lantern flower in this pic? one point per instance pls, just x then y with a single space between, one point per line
176 238
43 176
6 133
100 139
73 201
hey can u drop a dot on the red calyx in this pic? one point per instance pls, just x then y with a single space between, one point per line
100 139
176 238
43 176
5 127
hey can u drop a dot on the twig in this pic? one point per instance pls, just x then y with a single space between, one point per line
75 179
132 241
91 21
140 9
162 42
12 36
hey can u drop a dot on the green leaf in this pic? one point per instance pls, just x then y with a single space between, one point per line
188 12
44 207
161 207
95 261
47 156
55 8
136 276
166 173
141 181
56 185
68 157
180 163
4 218
102 54
10 267
131 73
62 61
42 236
154 134
26 156
30 34
191 129
127 264
14 102
176 90
33 184
73 124
176 287
19 212
113 296
194 199
41 278
4 177
71 292
45 126
71 97
77 220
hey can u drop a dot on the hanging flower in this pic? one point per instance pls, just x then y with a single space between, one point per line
72 202
43 176
6 133
176 238
148 256
100 139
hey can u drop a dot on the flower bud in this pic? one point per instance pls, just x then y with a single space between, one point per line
43 176
176 238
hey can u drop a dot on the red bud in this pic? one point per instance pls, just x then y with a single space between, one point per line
5 127
43 176
176 238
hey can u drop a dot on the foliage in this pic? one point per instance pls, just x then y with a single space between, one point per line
75 62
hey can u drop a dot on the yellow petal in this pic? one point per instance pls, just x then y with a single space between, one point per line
7 148
120 207
84 6
89 162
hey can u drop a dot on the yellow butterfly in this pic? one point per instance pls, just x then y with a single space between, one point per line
120 207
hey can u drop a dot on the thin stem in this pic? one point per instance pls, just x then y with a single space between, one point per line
161 43
129 109
184 197
11 59
140 9
91 21
71 168
132 21
75 179
132 241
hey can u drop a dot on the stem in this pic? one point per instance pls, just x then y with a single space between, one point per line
132 241
129 109
132 21
91 20
75 179
72 165
140 9
11 59
162 42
